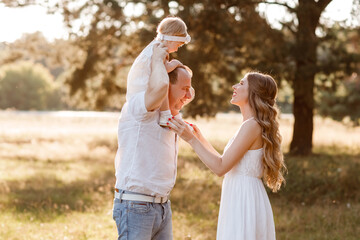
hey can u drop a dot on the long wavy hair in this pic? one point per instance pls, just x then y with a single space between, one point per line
262 98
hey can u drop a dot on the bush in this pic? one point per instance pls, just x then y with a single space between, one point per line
28 86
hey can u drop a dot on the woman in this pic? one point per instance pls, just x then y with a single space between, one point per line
251 155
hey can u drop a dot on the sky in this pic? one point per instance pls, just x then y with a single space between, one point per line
16 21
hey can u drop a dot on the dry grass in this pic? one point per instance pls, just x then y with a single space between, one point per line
57 177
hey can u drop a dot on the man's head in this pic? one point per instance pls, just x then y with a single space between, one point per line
179 88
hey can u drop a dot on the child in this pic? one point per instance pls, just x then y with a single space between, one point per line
172 32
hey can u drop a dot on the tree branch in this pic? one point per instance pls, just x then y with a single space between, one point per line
289 26
322 4
291 9
252 2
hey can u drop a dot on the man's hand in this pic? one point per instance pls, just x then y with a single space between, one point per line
159 79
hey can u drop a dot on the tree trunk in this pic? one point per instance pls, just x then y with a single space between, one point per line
303 111
308 13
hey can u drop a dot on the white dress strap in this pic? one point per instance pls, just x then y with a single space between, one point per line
247 120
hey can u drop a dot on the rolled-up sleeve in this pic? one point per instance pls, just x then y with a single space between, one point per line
137 106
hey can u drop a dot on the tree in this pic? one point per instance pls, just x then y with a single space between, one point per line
230 37
308 14
342 101
218 54
338 91
28 86
36 48
307 66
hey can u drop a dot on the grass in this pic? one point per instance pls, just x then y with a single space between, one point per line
57 178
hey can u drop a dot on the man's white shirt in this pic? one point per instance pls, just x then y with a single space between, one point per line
146 159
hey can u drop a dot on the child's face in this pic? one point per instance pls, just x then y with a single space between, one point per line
173 46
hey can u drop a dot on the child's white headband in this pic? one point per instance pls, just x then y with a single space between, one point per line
186 39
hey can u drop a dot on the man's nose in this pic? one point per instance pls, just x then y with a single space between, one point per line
188 94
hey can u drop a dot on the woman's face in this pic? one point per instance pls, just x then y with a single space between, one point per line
241 92
173 46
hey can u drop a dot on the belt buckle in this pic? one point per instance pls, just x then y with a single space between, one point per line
161 199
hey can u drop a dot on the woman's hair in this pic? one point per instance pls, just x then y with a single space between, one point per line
262 95
173 26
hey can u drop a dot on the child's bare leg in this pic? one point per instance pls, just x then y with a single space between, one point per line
165 112
165 104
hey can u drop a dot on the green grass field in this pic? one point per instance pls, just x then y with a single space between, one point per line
57 178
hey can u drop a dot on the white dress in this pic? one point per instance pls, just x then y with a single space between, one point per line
245 210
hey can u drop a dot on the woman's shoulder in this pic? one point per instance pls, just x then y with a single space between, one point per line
251 125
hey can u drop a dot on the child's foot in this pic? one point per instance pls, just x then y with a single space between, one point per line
164 118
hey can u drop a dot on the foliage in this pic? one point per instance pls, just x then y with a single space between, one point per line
28 86
338 81
219 53
61 57
344 102
56 56
229 39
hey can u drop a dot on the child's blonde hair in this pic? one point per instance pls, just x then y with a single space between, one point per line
173 26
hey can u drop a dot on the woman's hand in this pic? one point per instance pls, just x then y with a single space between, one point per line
195 130
182 129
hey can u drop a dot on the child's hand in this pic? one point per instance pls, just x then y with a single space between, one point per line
160 52
171 65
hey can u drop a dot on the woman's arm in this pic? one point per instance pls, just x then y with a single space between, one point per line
218 164
203 140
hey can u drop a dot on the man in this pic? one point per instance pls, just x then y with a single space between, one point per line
146 159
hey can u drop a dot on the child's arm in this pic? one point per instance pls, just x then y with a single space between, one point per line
171 65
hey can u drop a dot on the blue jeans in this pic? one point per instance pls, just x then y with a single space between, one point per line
142 220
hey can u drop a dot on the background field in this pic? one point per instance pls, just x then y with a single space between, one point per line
57 178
